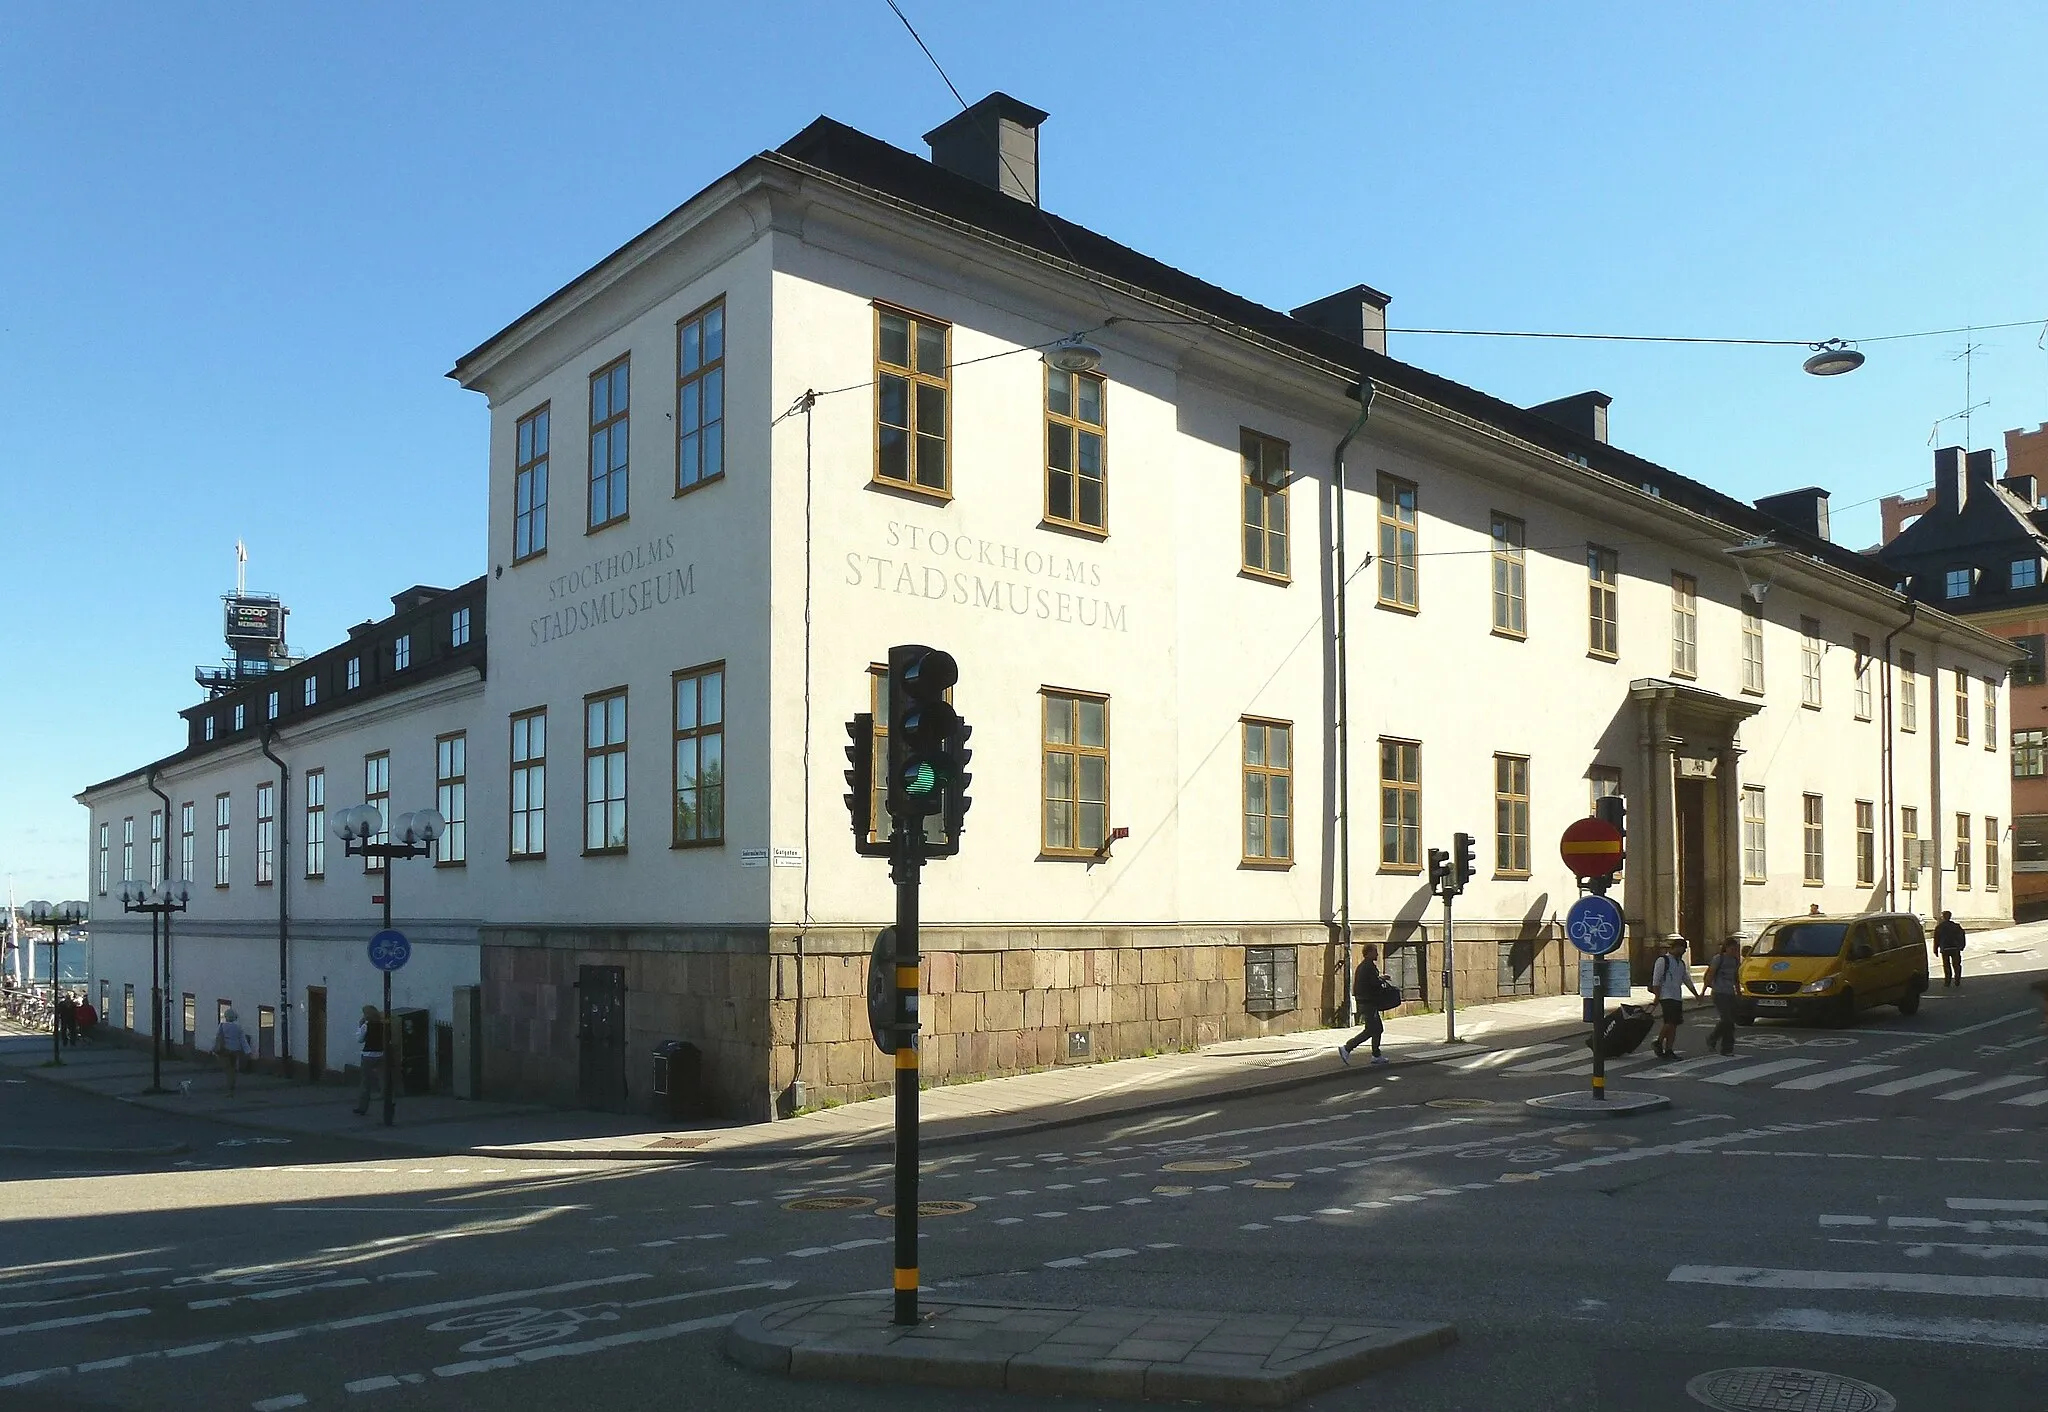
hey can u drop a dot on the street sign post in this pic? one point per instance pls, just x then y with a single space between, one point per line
1591 848
1593 925
389 950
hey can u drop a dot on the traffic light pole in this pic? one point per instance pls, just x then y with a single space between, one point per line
1450 976
905 864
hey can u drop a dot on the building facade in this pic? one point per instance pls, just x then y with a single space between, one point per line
1249 617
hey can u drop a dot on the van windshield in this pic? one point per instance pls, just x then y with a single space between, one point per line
1803 939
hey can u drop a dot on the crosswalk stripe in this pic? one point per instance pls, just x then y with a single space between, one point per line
1545 1066
1992 1203
1888 1281
1686 1068
1758 1071
1931 1077
1990 1087
2028 1100
1987 1333
1837 1076
1495 1058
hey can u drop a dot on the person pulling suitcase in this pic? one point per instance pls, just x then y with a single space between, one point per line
1671 978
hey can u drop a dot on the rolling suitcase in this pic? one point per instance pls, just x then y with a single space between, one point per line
1624 1029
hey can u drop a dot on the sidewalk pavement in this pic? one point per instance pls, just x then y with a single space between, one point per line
949 1113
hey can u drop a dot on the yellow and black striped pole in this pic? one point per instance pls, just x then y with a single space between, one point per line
906 866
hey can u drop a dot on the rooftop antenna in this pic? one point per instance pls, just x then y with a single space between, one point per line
241 568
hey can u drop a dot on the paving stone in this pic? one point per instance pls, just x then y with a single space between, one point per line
1047 1372
1261 1344
1153 1350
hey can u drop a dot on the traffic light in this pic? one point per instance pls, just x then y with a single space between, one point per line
1439 869
922 729
1612 809
957 802
860 783
1462 849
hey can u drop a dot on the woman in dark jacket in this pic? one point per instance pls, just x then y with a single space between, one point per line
1366 987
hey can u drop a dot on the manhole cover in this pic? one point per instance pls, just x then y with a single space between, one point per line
1786 1390
1207 1164
1460 1103
828 1203
679 1142
1595 1140
932 1208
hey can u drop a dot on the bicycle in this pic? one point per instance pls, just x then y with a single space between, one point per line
523 1327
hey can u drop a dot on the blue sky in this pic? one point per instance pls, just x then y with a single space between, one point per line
240 245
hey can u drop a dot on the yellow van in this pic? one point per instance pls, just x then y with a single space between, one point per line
1828 968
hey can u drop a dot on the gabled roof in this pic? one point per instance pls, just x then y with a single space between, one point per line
854 156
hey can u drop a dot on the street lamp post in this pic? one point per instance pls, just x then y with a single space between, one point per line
168 896
412 836
56 916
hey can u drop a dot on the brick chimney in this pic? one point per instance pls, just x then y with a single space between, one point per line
995 142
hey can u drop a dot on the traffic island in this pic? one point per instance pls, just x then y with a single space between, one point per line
1615 1105
1253 1360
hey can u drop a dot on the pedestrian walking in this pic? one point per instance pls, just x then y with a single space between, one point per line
67 1019
370 1045
1948 944
87 1017
1670 979
231 1042
1724 984
1369 989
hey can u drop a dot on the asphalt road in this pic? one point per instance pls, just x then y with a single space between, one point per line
1869 1203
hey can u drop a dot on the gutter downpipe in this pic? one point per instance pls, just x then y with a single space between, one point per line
284 887
1343 587
1887 765
163 1001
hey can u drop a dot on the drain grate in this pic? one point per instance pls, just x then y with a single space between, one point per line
932 1208
1460 1103
828 1203
1207 1164
679 1142
1786 1390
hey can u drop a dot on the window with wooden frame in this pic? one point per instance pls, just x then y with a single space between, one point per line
1962 851
1603 610
1511 816
1685 625
223 810
377 792
1860 646
604 772
2030 753
1962 707
1602 782
1809 663
1752 646
1268 795
1510 576
1909 692
699 779
1400 583
1753 854
913 385
316 823
529 791
1264 477
1909 846
611 432
1991 713
530 486
451 799
1400 806
1991 860
700 397
1074 447
1866 843
2032 668
1815 840
1075 789
266 833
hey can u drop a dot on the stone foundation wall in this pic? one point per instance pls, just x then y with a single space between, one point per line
995 1000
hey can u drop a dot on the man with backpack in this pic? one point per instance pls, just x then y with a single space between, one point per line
1670 979
1370 990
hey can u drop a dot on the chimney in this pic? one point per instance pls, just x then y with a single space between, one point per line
1356 315
995 142
2025 488
1805 509
1980 468
1951 486
1584 413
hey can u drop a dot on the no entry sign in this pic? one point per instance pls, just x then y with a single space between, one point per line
1591 848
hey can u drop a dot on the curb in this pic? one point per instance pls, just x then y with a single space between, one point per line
168 1149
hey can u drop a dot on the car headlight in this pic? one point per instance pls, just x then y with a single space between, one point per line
1825 983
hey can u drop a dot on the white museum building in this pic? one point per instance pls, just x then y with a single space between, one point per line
1249 616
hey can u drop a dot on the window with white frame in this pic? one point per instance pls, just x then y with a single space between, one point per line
1861 644
316 823
2024 573
1685 626
1962 679
266 832
1752 646
401 652
128 848
1909 692
271 707
1815 840
309 691
223 807
1956 583
1809 663
1510 576
157 844
1866 843
458 628
1991 713
1753 855
451 798
354 677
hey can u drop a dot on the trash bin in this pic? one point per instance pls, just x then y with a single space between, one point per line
679 1080
415 1051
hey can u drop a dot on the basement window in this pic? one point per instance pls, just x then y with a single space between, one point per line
1271 979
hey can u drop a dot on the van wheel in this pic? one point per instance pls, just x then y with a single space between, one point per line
1845 1010
1910 1003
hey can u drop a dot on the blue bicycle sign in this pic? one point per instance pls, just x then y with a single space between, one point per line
389 950
1593 925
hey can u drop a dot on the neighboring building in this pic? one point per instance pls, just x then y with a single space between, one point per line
811 413
1976 545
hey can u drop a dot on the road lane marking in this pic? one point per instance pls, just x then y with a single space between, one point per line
8 1286
1932 1076
1986 1024
2012 1226
1886 1281
370 1384
1848 1220
1495 1058
595 1345
279 1404
1985 1333
1758 1071
1986 1203
1991 1086
2028 1100
1836 1076
72 1322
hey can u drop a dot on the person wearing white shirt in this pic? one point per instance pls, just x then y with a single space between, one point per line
1671 978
